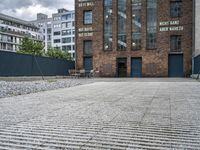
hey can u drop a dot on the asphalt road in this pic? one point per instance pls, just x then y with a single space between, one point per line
124 114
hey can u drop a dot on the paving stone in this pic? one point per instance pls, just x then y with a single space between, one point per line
125 114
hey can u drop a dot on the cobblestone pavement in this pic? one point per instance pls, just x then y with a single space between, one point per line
104 115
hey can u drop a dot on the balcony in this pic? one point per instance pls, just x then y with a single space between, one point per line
19 33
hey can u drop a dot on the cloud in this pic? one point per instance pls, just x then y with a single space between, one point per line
28 9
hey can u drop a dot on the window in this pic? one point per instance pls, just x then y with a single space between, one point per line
88 17
175 8
56 25
175 43
56 18
151 24
136 24
66 24
49 31
66 17
49 37
107 25
66 40
73 16
73 23
66 32
66 48
56 33
136 42
121 25
56 41
88 47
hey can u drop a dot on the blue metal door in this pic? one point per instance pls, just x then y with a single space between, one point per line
136 67
88 64
176 65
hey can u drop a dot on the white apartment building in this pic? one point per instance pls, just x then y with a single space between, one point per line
58 31
13 30
196 37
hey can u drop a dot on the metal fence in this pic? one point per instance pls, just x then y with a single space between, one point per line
14 64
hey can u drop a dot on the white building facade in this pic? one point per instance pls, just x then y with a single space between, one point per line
58 31
13 30
196 37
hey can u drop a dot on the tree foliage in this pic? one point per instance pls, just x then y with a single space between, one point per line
28 46
58 53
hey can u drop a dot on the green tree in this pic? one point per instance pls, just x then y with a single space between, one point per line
28 46
58 53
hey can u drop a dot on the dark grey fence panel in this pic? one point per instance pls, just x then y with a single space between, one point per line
13 64
197 65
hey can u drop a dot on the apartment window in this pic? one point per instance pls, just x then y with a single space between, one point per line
136 24
66 40
66 32
49 37
88 17
56 18
73 23
66 17
66 48
175 43
56 41
66 25
121 25
88 47
49 31
56 33
56 25
151 24
176 8
73 16
108 25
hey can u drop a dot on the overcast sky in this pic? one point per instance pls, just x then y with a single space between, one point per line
27 9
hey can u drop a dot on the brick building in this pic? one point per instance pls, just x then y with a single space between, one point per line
134 38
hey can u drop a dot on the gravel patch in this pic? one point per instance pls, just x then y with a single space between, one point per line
8 89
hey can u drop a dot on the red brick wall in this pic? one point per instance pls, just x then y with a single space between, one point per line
154 62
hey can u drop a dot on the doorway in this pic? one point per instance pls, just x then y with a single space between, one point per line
122 67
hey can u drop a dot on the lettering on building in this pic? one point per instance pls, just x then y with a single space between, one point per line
83 32
85 3
170 26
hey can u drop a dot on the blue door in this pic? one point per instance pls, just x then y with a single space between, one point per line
176 65
88 64
136 67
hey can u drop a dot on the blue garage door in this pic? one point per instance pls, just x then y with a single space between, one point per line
136 67
88 63
176 65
